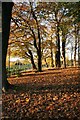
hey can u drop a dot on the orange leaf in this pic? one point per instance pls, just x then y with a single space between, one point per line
27 100
18 101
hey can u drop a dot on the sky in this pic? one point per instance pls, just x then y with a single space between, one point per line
39 0
16 59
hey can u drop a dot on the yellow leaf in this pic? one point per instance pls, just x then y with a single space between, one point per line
55 98
22 94
27 100
18 101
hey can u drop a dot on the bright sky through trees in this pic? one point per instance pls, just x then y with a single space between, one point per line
24 30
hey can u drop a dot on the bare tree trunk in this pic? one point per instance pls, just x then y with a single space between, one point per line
39 49
32 59
76 41
6 17
9 61
75 52
78 49
63 48
58 62
39 54
51 48
63 52
71 56
46 62
52 64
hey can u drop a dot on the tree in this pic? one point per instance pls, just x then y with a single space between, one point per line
65 27
26 26
75 32
39 40
30 21
24 47
31 58
74 13
6 18
78 46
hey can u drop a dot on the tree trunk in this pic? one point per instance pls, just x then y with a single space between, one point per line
52 64
46 62
39 42
78 49
0 47
32 59
75 52
75 48
63 49
57 59
71 56
58 63
63 52
6 17
9 62
39 50
78 43
39 61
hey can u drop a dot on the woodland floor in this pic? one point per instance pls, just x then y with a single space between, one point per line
49 95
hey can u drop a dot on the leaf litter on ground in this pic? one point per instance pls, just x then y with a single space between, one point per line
49 95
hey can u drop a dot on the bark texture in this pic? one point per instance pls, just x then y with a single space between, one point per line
6 18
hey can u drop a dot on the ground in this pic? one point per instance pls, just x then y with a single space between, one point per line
50 95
